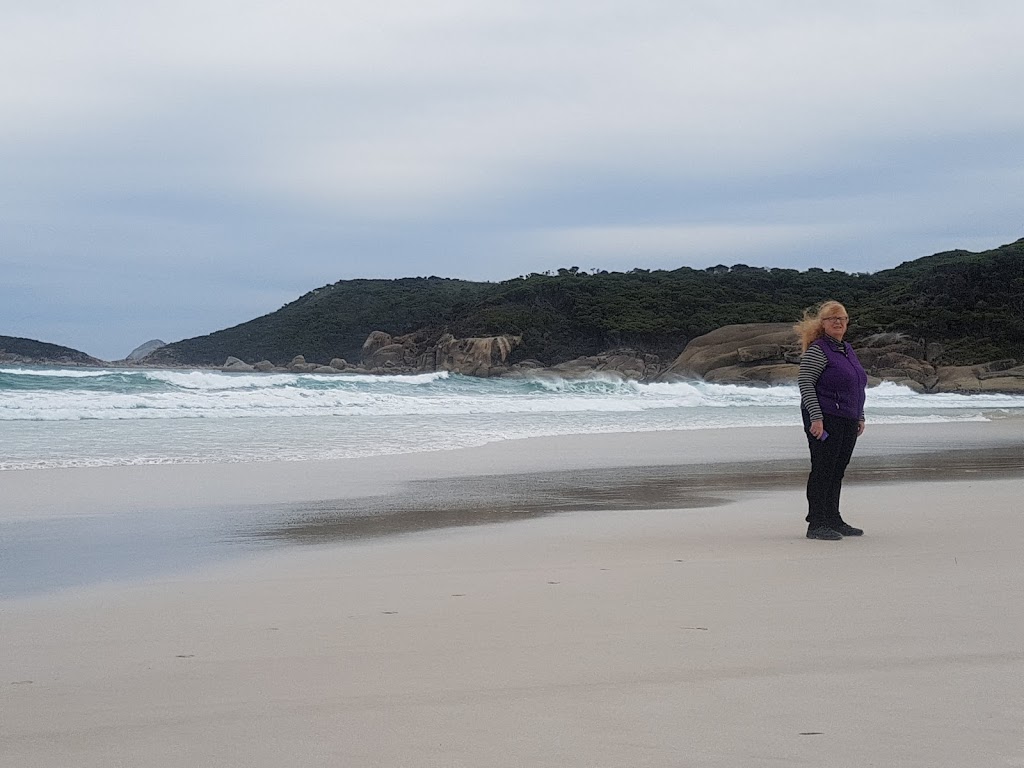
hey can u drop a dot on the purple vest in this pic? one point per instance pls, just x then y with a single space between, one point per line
841 386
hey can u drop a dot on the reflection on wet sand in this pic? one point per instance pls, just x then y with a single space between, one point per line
443 503
48 553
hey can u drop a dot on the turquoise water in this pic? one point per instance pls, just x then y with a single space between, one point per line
97 417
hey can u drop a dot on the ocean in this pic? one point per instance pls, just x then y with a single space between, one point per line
53 417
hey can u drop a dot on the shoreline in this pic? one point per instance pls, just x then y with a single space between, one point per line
552 371
68 491
66 528
483 499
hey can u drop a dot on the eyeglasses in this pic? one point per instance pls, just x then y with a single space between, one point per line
840 320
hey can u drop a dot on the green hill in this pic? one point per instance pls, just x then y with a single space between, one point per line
13 348
334 321
970 302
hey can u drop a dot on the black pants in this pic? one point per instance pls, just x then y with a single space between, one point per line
828 465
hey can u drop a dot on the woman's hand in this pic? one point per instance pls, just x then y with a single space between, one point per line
860 427
817 427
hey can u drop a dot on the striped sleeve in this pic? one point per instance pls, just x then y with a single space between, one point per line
812 363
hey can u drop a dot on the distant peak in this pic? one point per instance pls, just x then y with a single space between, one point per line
143 350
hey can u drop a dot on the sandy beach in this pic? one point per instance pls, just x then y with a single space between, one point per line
642 600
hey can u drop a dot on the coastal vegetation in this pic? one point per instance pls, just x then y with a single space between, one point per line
14 348
969 303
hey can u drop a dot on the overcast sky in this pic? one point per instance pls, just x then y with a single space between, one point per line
168 169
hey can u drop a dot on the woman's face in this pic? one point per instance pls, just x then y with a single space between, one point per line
835 321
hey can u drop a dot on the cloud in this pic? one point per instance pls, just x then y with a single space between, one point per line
251 141
399 106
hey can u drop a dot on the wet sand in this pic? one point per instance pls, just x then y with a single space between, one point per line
122 523
429 504
639 626
87 491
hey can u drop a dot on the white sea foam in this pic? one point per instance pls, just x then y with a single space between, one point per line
62 373
151 417
213 380
210 380
890 395
201 394
366 378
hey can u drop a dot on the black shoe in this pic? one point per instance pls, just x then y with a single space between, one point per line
823 532
848 530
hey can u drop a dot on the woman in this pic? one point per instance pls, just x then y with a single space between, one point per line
832 383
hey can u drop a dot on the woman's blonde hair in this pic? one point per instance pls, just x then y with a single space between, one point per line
811 327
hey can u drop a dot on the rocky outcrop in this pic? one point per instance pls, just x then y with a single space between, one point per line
620 363
766 354
299 365
391 356
902 360
418 352
375 341
897 358
412 353
998 376
753 353
481 356
141 351
234 365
